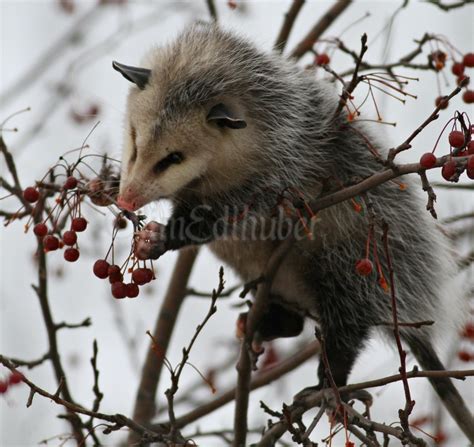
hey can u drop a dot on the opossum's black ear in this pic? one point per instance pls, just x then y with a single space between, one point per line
137 75
223 117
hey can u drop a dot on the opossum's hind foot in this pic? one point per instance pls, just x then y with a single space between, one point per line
327 396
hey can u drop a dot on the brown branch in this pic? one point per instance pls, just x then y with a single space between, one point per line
347 91
118 419
211 6
175 436
244 365
458 217
145 399
447 7
409 403
468 187
425 184
319 28
263 379
287 26
434 116
30 364
315 399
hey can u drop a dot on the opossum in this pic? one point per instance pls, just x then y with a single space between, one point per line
226 131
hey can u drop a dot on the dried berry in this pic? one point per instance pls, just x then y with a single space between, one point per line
428 160
119 290
457 68
40 229
79 224
322 59
468 60
71 254
50 243
101 268
70 237
31 194
132 290
70 183
448 169
364 267
456 139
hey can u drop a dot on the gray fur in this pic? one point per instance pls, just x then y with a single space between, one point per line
291 140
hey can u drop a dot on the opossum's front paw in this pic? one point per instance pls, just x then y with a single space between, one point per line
150 242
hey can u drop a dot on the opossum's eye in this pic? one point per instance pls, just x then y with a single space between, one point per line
171 159
223 117
133 136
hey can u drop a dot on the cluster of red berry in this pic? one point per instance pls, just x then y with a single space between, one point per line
52 242
457 69
467 334
461 145
13 379
140 276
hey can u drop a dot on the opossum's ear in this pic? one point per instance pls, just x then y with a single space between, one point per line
223 117
137 75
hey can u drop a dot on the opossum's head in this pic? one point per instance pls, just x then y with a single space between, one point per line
182 136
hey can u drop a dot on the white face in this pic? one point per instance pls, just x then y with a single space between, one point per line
194 154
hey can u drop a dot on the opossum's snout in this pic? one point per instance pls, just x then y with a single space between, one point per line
129 200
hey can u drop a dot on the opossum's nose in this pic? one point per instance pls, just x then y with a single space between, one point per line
129 201
124 204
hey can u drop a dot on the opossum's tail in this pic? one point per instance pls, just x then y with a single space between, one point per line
454 403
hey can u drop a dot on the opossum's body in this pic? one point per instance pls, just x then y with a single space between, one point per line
290 140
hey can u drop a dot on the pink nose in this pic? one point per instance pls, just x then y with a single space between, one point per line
127 205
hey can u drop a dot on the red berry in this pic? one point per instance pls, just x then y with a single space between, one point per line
149 274
119 290
464 356
31 194
70 237
70 183
468 60
470 148
140 277
15 378
364 267
79 224
322 59
71 254
50 243
468 96
428 160
456 139
441 102
115 275
101 268
3 387
457 68
41 230
470 167
132 290
468 331
448 170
